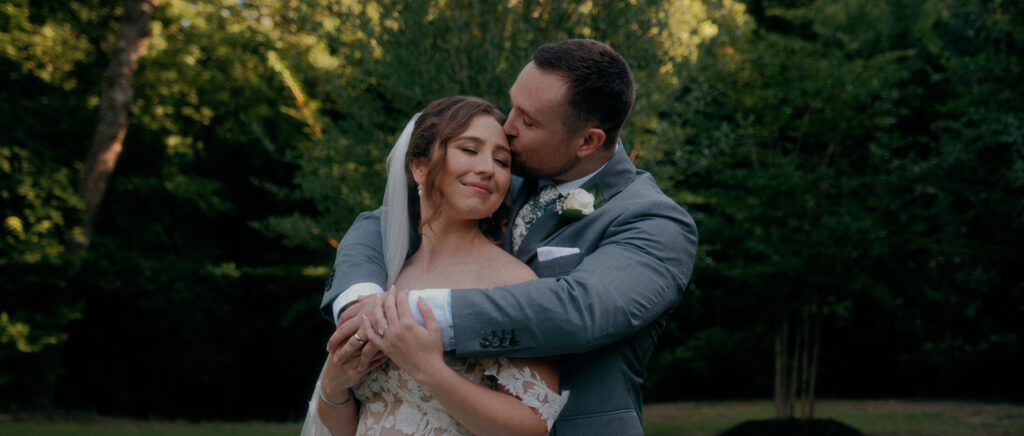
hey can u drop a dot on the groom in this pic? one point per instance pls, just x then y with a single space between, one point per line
608 279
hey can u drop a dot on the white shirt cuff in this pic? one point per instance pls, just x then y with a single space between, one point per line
439 301
352 294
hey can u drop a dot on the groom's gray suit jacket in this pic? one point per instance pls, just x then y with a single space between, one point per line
600 309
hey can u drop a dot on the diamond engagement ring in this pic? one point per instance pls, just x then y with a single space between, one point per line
383 330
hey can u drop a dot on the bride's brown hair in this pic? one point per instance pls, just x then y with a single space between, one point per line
439 122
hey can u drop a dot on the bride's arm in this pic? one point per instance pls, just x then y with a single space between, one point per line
418 351
336 405
486 411
341 415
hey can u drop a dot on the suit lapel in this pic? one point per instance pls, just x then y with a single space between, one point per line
612 179
615 176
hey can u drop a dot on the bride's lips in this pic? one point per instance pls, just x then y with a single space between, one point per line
482 188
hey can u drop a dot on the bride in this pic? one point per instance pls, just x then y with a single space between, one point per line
458 159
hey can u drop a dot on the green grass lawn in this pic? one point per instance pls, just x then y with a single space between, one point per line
126 427
873 417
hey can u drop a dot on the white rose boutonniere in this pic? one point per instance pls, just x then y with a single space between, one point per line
577 204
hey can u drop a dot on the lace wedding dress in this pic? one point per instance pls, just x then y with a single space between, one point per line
392 403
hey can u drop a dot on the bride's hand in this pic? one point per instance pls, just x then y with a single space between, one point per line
349 323
414 348
339 377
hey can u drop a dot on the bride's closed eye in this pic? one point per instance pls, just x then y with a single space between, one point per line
502 159
466 145
504 163
502 156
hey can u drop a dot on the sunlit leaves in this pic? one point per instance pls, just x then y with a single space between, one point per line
689 23
48 50
41 204
21 336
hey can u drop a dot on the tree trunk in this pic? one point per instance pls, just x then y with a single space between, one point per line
781 336
794 379
115 105
796 366
805 330
814 367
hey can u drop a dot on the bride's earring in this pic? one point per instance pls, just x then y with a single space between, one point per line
419 190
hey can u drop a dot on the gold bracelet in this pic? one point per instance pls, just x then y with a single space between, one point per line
332 404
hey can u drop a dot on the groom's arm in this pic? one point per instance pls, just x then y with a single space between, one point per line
358 267
638 272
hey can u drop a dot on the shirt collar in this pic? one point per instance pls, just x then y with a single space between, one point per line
565 187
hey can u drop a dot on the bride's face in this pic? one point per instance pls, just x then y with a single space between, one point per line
476 174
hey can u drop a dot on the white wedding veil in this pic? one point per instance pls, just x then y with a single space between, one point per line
394 227
394 214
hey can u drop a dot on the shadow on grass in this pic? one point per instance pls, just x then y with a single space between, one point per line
792 427
872 417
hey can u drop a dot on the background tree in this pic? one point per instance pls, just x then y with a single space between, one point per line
115 103
813 152
46 69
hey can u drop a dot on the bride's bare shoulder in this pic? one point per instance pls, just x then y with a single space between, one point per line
508 270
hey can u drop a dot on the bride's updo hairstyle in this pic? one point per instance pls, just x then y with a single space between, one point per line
440 122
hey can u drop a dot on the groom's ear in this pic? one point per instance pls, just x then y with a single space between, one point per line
591 140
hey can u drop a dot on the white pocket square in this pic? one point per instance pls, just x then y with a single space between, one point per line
548 253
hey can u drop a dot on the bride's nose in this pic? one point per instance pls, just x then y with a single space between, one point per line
485 166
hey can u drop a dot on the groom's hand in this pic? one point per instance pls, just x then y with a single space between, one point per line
341 347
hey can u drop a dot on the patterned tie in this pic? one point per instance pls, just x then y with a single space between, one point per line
530 213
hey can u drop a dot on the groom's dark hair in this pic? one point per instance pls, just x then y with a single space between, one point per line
440 121
600 83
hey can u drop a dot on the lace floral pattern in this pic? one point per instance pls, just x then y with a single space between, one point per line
394 404
528 387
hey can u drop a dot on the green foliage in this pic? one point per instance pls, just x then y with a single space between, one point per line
49 50
396 57
856 159
43 62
